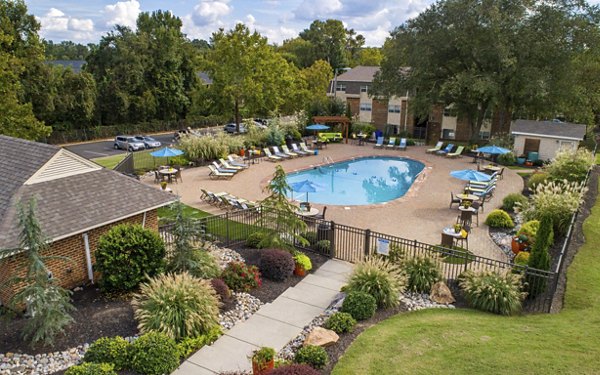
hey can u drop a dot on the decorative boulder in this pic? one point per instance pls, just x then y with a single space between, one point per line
440 293
321 337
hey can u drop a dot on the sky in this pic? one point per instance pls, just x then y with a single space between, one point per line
86 21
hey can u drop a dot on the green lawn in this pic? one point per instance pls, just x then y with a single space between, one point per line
109 161
471 342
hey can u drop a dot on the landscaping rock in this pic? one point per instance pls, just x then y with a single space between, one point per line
440 293
321 337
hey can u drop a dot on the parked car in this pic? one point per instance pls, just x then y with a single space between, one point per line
231 128
124 142
149 142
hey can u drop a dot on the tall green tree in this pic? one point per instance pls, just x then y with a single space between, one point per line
317 77
249 76
370 56
540 257
47 305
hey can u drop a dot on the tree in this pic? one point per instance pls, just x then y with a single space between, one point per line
249 76
317 78
47 304
298 51
277 210
540 257
369 56
185 231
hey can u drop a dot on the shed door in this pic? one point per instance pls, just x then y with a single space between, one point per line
531 145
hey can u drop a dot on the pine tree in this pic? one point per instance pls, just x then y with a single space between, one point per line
185 232
540 257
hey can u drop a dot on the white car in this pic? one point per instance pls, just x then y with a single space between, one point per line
231 128
148 142
124 142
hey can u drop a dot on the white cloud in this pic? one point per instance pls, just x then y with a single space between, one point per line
55 24
209 12
317 9
122 13
81 25
53 13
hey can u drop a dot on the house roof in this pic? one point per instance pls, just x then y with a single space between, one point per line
67 204
549 129
359 74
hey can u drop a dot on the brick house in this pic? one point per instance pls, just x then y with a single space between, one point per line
393 115
77 201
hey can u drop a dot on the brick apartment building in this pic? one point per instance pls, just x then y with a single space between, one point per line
77 201
391 115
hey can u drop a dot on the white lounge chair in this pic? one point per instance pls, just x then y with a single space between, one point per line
392 143
402 145
215 174
235 162
287 151
438 146
279 153
270 156
298 151
379 142
306 149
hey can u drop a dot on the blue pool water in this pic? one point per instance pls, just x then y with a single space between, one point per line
361 181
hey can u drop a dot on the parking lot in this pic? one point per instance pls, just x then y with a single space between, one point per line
92 150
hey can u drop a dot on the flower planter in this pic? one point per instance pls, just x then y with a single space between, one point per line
521 161
529 164
517 246
262 369
299 271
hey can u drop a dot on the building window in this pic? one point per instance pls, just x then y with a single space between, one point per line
450 112
341 87
484 135
364 88
394 109
447 133
366 107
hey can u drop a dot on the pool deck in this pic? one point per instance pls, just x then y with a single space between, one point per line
420 214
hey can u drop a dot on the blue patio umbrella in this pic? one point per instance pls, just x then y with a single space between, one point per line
166 152
317 127
470 175
493 150
306 186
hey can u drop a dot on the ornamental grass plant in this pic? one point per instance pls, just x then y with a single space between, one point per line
178 305
422 273
570 165
380 278
493 292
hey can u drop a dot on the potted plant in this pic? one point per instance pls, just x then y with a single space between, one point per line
263 360
303 264
466 204
519 243
163 185
457 228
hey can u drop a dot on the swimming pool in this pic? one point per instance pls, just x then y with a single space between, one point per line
361 181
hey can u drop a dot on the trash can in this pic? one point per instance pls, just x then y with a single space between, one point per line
533 156
316 152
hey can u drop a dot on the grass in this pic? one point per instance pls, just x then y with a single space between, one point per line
109 162
467 341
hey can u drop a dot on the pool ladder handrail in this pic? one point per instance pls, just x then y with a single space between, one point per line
327 160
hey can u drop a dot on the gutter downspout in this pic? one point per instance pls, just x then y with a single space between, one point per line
406 113
144 220
88 257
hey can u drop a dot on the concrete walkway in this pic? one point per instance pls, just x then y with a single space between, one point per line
273 325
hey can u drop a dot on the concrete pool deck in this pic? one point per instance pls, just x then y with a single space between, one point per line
420 214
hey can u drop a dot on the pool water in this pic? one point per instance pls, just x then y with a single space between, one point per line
361 181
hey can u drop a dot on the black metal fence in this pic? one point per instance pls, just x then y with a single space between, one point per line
353 244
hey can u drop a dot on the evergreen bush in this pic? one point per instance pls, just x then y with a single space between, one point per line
89 368
422 273
189 345
314 356
529 229
512 201
360 305
540 257
499 219
340 322
507 159
113 350
254 239
154 353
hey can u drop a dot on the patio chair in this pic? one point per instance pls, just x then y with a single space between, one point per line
276 152
215 174
402 145
300 152
226 165
306 149
465 237
213 198
234 162
157 177
287 151
178 173
501 174
221 169
379 142
476 205
453 200
392 143
271 157
438 146
321 215
445 150
457 153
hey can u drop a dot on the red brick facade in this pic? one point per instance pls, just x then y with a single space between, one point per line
73 272
379 113
354 104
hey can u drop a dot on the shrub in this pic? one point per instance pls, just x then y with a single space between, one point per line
360 305
221 289
311 237
396 254
513 200
323 246
240 277
522 258
178 305
529 229
499 219
422 273
126 254
303 261
254 239
536 179
507 159
204 266
154 353
340 322
92 369
558 201
276 264
380 278
312 355
570 165
112 350
190 345
493 292
294 369
540 257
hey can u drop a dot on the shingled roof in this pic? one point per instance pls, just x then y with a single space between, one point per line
359 74
550 129
73 195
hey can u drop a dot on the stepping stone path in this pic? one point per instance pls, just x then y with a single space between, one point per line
273 325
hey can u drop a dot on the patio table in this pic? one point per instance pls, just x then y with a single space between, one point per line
168 172
467 197
312 212
448 236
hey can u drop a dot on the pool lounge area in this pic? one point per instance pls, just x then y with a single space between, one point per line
420 214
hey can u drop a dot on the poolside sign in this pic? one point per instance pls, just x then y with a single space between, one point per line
383 246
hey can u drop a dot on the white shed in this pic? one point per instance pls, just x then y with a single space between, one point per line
545 137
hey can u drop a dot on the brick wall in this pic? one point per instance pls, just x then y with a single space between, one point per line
354 104
463 130
379 113
70 273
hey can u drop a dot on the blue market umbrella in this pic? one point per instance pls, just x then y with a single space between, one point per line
493 150
166 152
317 127
306 186
470 175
